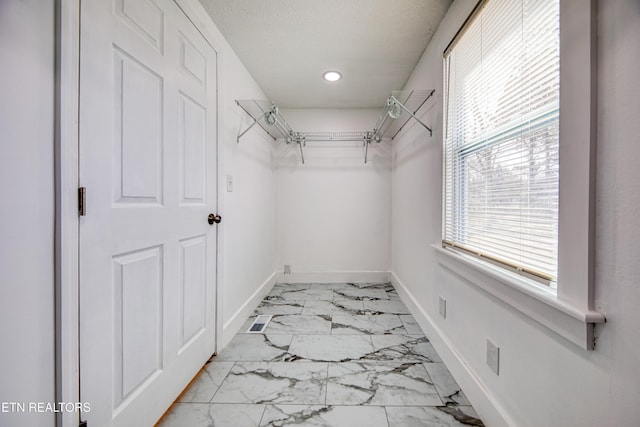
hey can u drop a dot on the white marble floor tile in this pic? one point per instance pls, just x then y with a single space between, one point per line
203 387
273 306
329 348
380 384
445 384
306 294
408 348
277 289
425 416
292 286
345 324
330 285
370 285
392 292
359 294
208 415
256 348
389 306
411 325
274 382
274 292
323 416
344 306
295 324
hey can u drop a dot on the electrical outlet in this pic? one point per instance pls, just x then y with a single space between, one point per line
287 269
442 307
229 183
493 357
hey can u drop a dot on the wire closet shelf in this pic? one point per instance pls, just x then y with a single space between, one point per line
401 107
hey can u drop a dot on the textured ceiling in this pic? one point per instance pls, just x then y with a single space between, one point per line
287 45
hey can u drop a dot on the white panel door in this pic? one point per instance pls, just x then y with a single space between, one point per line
147 250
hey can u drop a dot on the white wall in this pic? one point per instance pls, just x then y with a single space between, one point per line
247 234
333 211
544 380
27 207
618 204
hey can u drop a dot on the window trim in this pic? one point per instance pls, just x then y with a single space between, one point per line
568 311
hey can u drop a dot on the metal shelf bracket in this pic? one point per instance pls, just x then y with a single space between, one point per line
401 107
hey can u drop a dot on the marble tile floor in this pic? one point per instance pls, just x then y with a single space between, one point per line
339 355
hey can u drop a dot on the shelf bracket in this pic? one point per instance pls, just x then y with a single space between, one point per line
298 138
367 140
267 115
301 152
393 120
255 122
394 101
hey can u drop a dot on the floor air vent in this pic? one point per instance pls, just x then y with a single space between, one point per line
259 324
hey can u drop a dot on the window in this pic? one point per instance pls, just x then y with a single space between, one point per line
501 141
567 308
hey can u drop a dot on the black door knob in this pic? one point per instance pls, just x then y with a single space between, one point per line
214 218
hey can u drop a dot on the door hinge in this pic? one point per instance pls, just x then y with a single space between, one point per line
82 201
82 424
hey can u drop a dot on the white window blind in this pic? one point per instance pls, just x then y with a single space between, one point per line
501 77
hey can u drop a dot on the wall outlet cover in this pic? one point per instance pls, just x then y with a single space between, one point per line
493 357
287 269
442 307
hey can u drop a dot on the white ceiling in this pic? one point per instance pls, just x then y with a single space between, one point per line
287 45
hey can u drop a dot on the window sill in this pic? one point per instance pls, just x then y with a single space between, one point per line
533 300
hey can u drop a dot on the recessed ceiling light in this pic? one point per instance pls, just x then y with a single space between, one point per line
332 76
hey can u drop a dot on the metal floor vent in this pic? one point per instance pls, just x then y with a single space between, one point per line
259 324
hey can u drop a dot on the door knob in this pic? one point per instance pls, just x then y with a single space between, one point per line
214 218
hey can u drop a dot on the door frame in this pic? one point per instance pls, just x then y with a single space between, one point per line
66 142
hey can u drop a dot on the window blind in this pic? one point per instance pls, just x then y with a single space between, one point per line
501 113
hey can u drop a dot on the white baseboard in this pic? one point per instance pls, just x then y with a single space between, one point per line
334 277
491 412
233 325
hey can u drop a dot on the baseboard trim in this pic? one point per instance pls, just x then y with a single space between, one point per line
333 277
233 325
491 412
